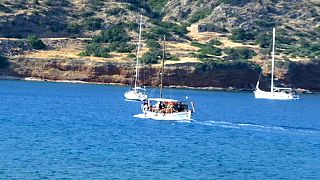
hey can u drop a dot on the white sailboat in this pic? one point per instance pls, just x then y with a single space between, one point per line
163 108
137 93
275 93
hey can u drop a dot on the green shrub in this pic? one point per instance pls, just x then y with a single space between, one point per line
174 58
87 13
153 44
74 28
240 34
112 35
91 23
201 56
172 27
120 47
165 28
207 49
211 50
95 49
234 2
226 65
116 11
150 7
239 53
285 40
158 32
266 22
157 5
215 42
132 26
3 61
35 42
151 57
263 39
117 38
197 44
302 48
56 27
132 56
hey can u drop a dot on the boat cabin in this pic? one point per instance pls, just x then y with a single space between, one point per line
285 90
165 105
139 89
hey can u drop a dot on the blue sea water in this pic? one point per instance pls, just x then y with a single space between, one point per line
82 131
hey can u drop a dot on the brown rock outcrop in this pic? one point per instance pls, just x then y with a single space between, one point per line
121 73
300 75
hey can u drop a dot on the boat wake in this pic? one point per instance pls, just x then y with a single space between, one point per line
161 118
257 127
249 126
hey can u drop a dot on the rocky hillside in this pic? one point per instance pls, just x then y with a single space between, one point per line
57 18
296 15
99 32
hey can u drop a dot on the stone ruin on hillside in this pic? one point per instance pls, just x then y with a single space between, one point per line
209 28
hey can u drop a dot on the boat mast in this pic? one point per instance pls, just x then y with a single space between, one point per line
138 53
273 47
162 67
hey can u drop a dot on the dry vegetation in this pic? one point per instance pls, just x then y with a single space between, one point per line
73 13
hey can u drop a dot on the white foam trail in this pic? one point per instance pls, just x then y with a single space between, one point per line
257 127
142 116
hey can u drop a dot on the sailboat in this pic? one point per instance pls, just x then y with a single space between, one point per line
275 93
137 93
166 109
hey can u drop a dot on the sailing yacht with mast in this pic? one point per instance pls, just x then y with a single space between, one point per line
163 108
137 93
275 93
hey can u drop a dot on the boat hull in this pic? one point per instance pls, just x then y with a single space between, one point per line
187 115
274 95
135 96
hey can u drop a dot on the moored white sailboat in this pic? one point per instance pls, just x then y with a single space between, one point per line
275 93
163 108
137 93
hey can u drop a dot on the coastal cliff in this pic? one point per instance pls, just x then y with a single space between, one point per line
300 75
182 75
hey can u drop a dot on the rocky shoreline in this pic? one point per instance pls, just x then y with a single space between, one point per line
301 76
230 89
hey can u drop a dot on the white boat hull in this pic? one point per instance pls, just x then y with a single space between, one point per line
259 94
135 96
187 115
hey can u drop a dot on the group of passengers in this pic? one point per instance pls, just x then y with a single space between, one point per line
166 107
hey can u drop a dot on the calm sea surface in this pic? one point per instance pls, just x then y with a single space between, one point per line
81 131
